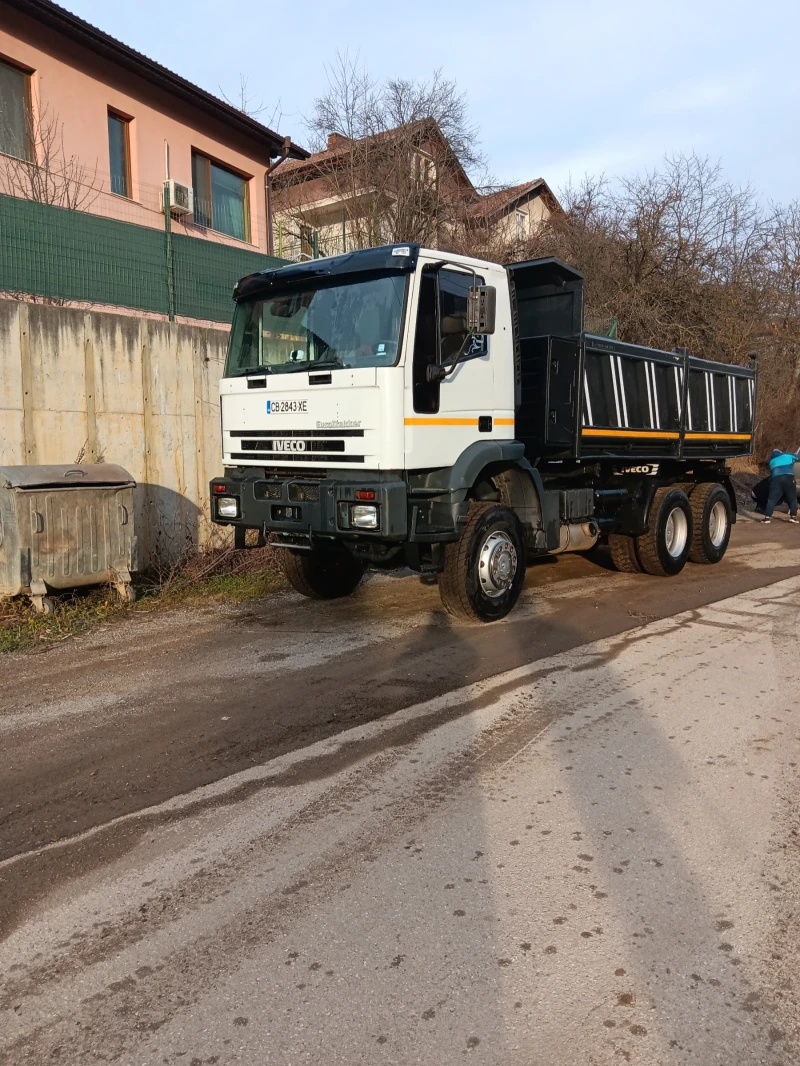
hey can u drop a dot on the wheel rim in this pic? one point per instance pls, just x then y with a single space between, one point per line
497 564
718 524
676 532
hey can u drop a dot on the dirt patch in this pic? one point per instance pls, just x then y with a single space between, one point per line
198 579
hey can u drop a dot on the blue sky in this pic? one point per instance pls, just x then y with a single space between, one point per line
557 89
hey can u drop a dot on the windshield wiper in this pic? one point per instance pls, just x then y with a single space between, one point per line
250 371
334 361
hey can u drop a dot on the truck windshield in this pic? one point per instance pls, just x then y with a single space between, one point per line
353 324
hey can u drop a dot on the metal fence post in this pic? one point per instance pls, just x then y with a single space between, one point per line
315 244
168 249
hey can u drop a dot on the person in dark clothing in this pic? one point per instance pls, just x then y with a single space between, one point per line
782 485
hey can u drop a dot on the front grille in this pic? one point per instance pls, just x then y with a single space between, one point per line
294 475
286 446
302 457
267 434
304 493
268 490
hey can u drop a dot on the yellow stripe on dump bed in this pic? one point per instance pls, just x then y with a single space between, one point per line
717 436
658 434
653 433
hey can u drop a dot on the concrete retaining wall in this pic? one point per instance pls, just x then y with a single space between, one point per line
120 389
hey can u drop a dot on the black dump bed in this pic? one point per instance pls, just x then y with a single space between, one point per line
581 396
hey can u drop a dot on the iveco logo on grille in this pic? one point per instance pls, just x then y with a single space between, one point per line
288 445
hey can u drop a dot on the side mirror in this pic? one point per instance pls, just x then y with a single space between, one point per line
481 307
435 373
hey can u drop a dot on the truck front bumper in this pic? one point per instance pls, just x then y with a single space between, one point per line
308 509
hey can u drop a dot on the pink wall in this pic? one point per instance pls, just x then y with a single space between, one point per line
77 86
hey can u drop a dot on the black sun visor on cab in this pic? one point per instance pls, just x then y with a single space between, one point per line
394 258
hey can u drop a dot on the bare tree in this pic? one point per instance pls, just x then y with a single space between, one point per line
248 104
395 157
45 172
680 256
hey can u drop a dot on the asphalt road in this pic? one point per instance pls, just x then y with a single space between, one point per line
354 833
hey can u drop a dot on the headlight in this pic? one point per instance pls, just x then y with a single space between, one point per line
227 507
364 516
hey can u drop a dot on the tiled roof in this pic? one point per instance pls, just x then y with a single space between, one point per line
67 25
338 148
493 204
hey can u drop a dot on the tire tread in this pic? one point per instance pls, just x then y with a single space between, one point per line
623 553
306 576
698 498
647 544
452 587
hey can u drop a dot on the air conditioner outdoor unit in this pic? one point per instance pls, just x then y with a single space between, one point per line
180 197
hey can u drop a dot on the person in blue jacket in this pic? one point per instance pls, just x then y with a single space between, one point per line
782 485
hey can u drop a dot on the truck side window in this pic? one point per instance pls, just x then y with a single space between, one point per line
426 347
453 290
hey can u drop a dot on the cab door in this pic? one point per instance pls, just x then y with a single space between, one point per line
443 418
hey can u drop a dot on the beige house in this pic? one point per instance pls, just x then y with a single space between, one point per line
403 184
87 122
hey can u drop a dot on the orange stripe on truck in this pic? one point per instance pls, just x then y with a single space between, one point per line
654 433
454 421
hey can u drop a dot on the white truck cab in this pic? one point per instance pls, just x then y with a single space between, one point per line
344 354
400 406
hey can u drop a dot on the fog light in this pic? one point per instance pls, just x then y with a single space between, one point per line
227 507
364 516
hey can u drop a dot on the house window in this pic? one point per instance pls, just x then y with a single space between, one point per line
306 242
522 224
15 112
119 154
221 200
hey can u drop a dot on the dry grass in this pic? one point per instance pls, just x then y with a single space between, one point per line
221 576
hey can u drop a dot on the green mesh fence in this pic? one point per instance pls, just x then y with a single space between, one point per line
69 255
206 273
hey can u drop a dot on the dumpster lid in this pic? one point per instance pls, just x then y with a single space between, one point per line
59 477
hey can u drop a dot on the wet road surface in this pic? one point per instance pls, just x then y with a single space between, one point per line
354 833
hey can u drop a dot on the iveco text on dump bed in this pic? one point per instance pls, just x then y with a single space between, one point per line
404 407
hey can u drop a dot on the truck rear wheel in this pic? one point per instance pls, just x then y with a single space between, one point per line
664 548
623 553
484 571
711 522
322 574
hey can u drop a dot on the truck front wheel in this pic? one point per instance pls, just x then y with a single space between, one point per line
711 522
322 574
664 548
484 571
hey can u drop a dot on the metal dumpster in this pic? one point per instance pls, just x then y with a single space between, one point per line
62 527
